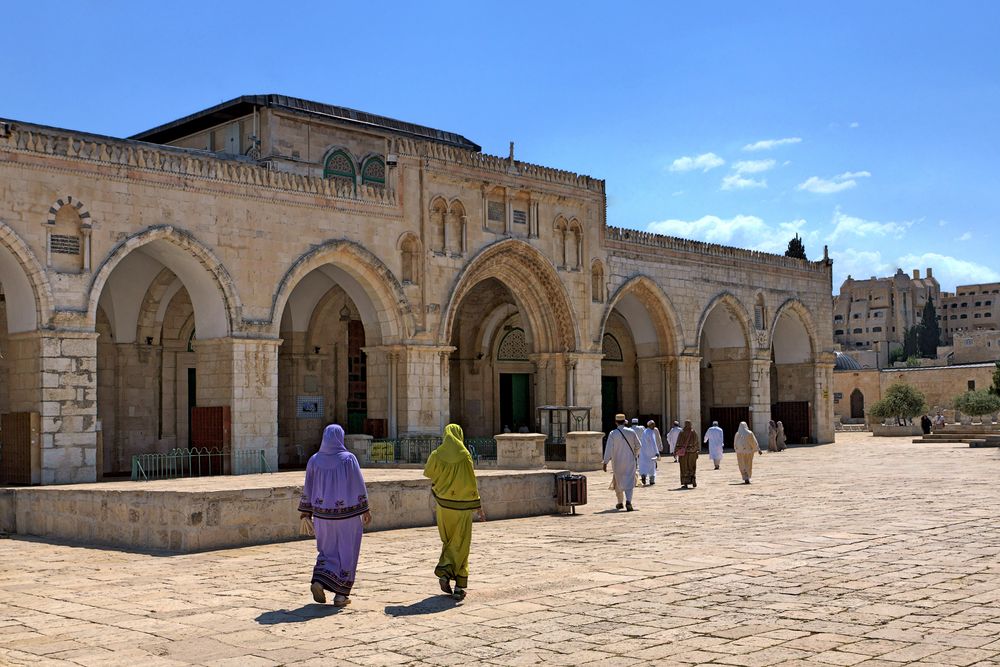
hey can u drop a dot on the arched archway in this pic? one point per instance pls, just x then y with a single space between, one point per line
793 371
340 307
857 404
643 383
509 286
25 305
139 298
725 346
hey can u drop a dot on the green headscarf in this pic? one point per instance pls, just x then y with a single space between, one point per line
449 467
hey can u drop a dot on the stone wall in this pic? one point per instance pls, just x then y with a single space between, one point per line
203 514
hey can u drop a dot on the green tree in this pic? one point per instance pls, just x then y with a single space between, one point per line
913 362
796 248
995 387
911 342
901 402
930 331
977 403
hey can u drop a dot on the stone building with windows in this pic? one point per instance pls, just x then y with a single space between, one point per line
303 263
970 309
874 314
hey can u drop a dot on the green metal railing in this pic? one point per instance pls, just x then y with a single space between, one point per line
198 462
416 449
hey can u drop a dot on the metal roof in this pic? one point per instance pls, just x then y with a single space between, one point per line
244 105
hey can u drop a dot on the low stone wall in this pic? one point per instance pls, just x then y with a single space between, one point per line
894 430
190 515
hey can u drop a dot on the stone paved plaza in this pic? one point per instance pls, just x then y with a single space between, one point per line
864 552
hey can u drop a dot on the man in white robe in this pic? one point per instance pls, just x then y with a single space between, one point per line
715 439
649 452
672 439
621 451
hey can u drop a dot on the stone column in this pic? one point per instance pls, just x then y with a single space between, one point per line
760 398
243 374
422 400
382 364
689 389
822 404
587 387
54 373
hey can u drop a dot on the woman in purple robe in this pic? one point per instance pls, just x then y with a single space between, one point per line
335 498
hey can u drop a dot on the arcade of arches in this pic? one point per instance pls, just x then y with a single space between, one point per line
439 285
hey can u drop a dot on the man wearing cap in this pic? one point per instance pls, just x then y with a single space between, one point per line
716 441
621 451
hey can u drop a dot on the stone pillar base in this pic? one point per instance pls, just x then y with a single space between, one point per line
520 450
584 450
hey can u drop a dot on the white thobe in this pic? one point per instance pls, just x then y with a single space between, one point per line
621 451
713 436
672 435
649 451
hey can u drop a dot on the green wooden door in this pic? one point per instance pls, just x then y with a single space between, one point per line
515 401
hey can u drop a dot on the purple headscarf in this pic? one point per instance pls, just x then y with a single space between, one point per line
334 487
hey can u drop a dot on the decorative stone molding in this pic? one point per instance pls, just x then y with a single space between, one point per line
26 138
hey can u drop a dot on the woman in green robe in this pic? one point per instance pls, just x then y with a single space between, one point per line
453 483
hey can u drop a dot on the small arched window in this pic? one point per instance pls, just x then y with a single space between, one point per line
340 165
373 172
611 348
597 282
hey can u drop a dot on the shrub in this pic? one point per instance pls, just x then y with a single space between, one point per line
901 402
977 403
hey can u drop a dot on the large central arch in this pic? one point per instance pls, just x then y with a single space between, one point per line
794 347
536 287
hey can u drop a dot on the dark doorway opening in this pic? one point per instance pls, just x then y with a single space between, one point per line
515 401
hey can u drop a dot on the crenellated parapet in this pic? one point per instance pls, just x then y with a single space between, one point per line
622 238
27 138
497 165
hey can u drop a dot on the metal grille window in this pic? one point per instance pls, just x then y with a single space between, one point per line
373 173
339 165
520 217
64 245
513 347
611 348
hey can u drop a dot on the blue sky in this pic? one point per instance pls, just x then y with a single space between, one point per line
868 126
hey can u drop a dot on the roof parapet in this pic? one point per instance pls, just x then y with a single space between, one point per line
651 239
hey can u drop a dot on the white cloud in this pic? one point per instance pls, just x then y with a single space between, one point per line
705 162
768 144
753 166
951 271
826 186
735 181
942 223
967 236
844 225
855 125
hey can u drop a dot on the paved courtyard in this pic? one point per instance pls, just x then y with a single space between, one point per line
865 552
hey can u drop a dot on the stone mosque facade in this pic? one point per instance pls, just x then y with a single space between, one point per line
303 263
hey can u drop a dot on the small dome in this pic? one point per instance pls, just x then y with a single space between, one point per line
846 363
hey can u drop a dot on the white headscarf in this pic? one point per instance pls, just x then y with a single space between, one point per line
745 441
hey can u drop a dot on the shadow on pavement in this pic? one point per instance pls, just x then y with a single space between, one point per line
431 605
300 615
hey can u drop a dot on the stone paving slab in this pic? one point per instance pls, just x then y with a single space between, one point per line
865 552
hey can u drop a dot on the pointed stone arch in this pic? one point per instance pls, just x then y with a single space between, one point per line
729 301
29 299
805 317
660 309
211 288
371 285
533 280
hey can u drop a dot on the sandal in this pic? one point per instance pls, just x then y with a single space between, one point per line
319 595
341 600
445 584
459 594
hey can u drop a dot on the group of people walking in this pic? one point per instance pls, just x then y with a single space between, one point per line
633 451
334 503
